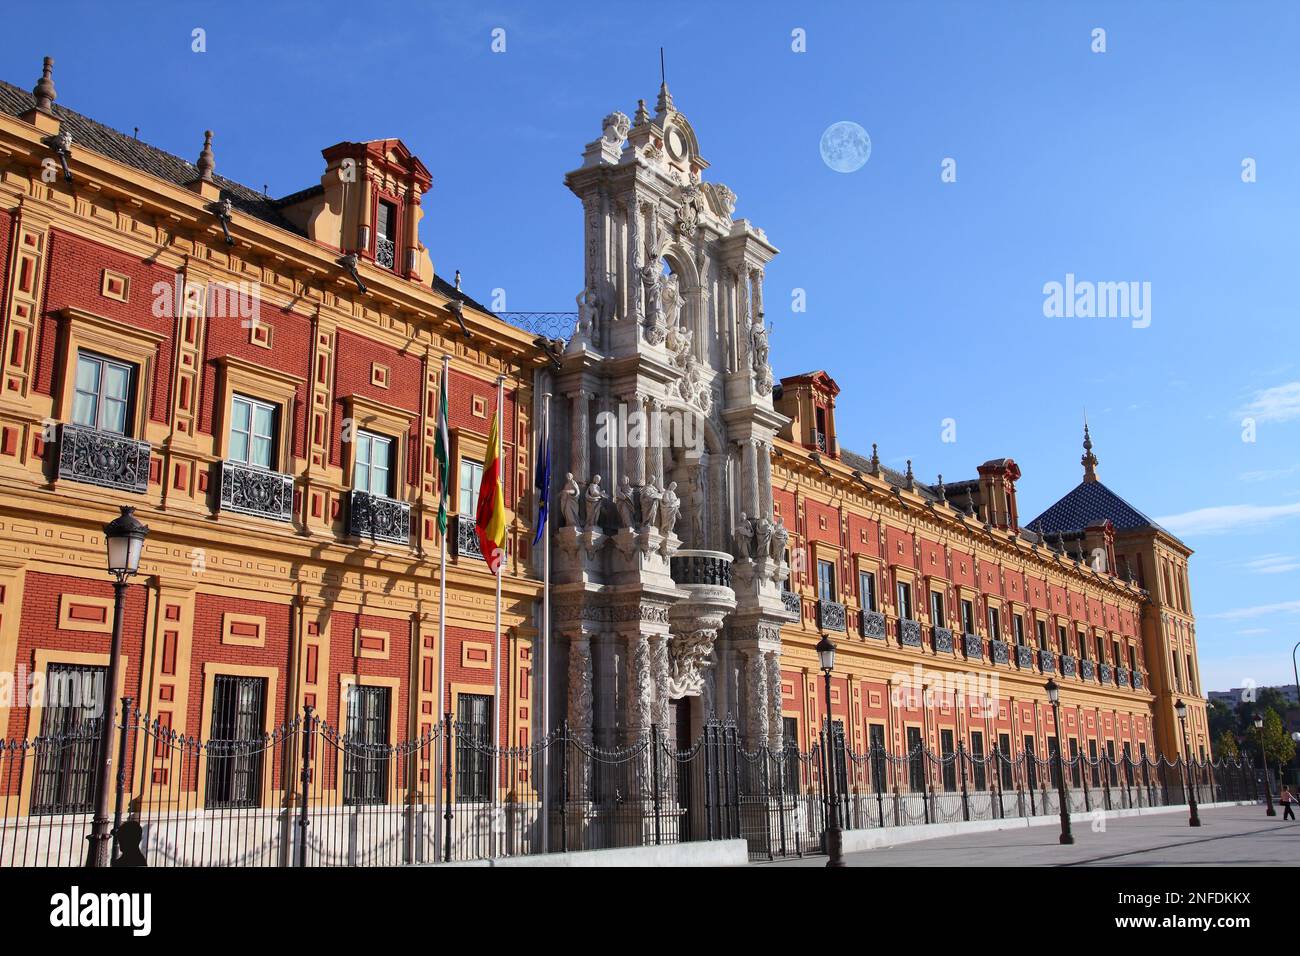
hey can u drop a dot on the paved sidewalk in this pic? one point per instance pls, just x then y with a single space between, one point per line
1229 836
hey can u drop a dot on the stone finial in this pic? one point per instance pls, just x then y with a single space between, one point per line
970 503
44 89
642 114
665 101
207 162
875 460
1089 460
941 491
911 479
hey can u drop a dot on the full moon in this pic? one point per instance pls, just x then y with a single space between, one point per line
845 146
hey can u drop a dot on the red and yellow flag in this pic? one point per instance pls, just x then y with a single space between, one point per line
490 517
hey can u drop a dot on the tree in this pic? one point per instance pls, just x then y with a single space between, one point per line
1225 745
1277 743
1221 718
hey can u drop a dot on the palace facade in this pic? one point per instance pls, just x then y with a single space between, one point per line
258 378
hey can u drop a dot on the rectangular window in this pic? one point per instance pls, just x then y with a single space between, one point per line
867 589
1055 771
1018 628
1031 764
471 479
1004 761
1129 776
1092 759
1063 637
977 759
252 432
905 601
366 751
876 736
1074 764
949 760
373 472
937 617
1083 646
1113 772
1041 626
66 750
915 760
995 625
102 394
1101 650
473 747
386 235
825 580
967 617
1191 681
790 738
1132 659
236 742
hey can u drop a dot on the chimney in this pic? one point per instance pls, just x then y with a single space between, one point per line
42 114
997 482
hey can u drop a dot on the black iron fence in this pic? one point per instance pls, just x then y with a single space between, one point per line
308 795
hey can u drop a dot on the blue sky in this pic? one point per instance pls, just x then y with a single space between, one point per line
925 299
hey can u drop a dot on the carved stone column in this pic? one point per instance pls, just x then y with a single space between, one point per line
659 676
634 453
579 416
765 480
776 700
756 287
757 699
580 692
640 692
749 476
656 446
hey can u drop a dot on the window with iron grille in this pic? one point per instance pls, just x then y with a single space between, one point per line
1053 754
1031 765
949 760
473 747
977 759
1092 759
839 750
69 742
366 751
235 742
1113 772
1004 761
915 760
1074 763
876 734
790 736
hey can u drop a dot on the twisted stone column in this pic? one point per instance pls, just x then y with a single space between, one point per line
776 725
578 463
756 691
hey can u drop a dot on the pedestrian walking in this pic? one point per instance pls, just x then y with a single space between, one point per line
1287 800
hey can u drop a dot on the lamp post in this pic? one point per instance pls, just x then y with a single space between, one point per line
1268 787
1054 698
1195 819
834 838
124 537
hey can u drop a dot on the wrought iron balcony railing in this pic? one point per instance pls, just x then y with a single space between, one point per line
909 633
974 646
942 640
999 653
379 519
830 616
819 439
385 253
873 624
1068 668
1121 677
256 491
102 458
702 567
1104 673
1137 681
793 604
1047 662
1087 670
1024 656
464 537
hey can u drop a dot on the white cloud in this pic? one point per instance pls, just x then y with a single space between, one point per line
1267 474
1252 631
1281 403
1221 518
1259 610
1274 564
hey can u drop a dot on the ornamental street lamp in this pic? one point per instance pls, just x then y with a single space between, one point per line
1268 787
834 838
1054 698
124 537
1195 819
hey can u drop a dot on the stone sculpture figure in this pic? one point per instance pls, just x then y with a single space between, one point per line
650 496
742 538
595 498
625 501
780 537
668 509
762 537
569 495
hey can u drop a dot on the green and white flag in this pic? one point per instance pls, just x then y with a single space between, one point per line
442 452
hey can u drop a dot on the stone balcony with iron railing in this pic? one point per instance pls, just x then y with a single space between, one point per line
1024 657
831 616
793 604
973 646
249 490
702 567
1137 681
96 457
999 652
1087 670
1068 665
385 253
463 537
909 633
1047 662
941 640
872 624
1121 677
1104 673
376 518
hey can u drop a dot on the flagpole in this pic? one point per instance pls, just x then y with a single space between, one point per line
546 639
442 589
501 566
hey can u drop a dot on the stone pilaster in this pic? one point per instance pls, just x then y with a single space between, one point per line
579 421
